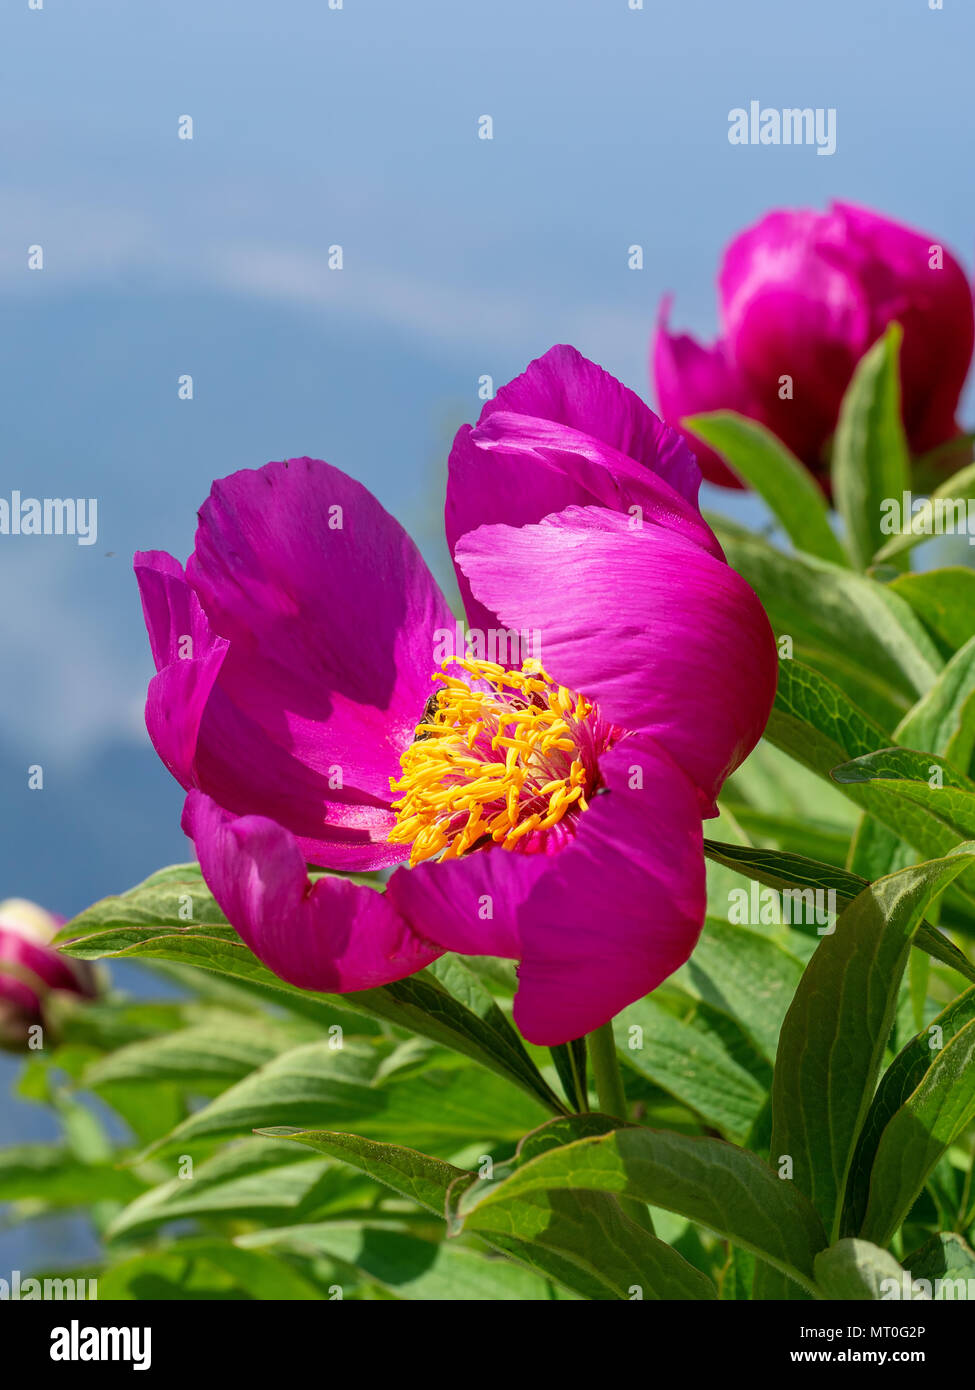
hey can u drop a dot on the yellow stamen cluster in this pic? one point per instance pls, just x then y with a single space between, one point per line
491 761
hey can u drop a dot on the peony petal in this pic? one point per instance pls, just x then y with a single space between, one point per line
329 608
690 379
49 967
330 935
472 904
207 741
565 387
19 1007
188 659
792 306
583 414
621 908
337 825
327 619
524 448
667 639
932 303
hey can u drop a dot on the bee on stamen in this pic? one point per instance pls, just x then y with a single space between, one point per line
430 709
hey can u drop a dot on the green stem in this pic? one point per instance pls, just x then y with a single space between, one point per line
612 1101
606 1072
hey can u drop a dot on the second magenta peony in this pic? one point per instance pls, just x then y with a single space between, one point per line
803 296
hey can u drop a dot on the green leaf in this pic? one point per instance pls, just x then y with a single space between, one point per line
814 722
871 459
565 1130
605 1238
590 1231
861 634
149 1111
944 599
106 1023
747 975
898 1083
899 792
915 1138
571 1061
319 1085
924 522
818 839
835 1032
943 720
408 1265
771 782
427 1181
174 896
204 1269
855 1270
946 1257
877 851
484 1025
212 1054
49 1174
903 778
724 1188
472 1025
419 1177
252 1180
213 948
766 465
691 1065
736 1277
926 833
781 870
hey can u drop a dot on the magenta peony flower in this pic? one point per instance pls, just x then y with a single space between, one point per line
30 969
804 295
546 807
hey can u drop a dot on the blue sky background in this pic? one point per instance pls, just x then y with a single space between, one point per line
358 126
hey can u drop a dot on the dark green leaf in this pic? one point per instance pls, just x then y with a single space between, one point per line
899 1081
713 1183
835 1032
919 1133
783 871
428 1181
945 1257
